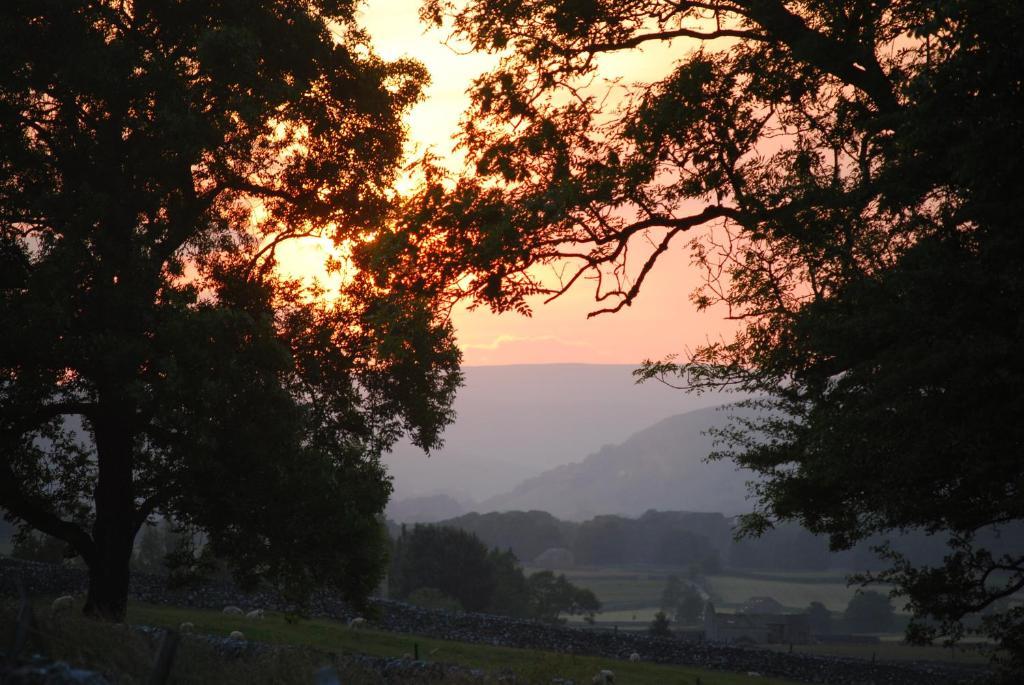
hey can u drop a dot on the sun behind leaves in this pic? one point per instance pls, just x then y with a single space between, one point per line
152 360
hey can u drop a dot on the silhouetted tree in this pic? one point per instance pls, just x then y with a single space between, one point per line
660 625
153 156
672 593
848 174
690 607
511 596
449 560
551 596
819 618
869 612
526 533
39 547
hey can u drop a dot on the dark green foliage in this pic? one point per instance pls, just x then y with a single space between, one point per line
654 538
526 533
449 560
819 618
432 598
657 537
672 593
152 158
682 600
710 565
39 547
690 607
511 591
787 547
660 625
551 596
869 612
849 174
155 543
458 565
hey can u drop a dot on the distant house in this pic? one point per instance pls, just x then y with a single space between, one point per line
555 557
761 605
756 628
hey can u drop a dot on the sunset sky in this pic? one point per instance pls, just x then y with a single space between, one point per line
662 321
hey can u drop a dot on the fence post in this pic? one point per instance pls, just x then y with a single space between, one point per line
165 658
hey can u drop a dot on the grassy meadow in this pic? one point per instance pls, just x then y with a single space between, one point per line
630 597
891 650
627 591
115 649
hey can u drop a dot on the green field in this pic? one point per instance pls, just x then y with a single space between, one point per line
627 591
891 650
113 648
631 595
621 589
792 591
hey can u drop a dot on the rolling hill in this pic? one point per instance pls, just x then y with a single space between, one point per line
518 421
660 467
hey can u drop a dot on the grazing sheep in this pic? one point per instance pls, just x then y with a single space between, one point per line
357 622
407 656
753 674
186 627
634 657
237 635
233 611
604 677
255 613
62 604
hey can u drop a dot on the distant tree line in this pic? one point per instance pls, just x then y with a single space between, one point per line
703 541
446 568
866 612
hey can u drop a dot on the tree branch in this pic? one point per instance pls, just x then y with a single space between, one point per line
854 65
37 515
148 506
669 35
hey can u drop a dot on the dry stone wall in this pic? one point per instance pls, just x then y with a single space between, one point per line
51 580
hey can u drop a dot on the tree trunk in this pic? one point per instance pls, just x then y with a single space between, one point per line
115 526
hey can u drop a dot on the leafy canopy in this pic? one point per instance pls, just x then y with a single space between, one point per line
153 156
846 176
434 562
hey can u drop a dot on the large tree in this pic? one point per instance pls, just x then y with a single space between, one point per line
153 156
846 175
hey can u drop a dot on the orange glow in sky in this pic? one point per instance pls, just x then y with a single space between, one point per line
662 321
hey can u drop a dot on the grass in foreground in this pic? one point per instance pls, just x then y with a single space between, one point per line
126 656
530 665
888 650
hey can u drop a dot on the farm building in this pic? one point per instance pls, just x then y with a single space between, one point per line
756 628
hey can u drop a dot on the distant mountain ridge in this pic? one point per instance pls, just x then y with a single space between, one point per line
661 467
518 421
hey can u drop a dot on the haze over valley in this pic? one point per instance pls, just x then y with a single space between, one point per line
520 421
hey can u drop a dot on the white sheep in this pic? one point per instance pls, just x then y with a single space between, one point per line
357 622
634 657
62 604
753 674
255 613
237 635
233 611
604 677
186 627
407 656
